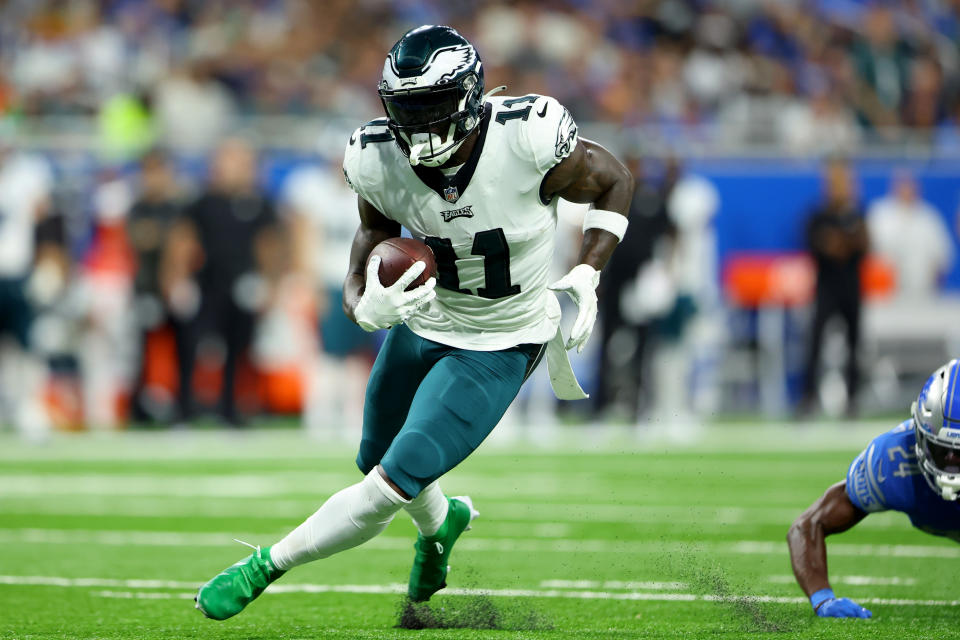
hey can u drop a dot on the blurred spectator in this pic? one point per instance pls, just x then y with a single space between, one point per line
192 110
882 58
946 138
673 298
821 125
923 102
838 241
32 272
102 289
158 204
912 236
231 232
322 213
96 81
687 332
628 300
737 65
126 127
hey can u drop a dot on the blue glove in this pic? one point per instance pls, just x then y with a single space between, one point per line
827 605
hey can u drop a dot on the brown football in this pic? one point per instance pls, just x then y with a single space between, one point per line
397 255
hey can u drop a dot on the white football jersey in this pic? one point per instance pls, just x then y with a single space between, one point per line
489 227
319 194
25 183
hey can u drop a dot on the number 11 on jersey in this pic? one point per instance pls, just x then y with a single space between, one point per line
492 245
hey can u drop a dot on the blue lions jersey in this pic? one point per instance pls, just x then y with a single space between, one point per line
885 477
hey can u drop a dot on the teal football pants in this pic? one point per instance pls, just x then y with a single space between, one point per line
429 405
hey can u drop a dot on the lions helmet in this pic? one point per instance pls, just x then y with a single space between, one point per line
432 91
936 422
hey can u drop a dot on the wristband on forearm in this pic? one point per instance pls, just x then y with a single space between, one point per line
819 597
615 223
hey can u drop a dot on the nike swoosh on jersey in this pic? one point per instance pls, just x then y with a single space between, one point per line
353 137
543 112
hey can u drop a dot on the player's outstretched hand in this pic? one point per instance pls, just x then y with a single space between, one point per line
580 284
382 307
827 605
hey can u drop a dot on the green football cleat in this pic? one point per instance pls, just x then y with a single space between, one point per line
429 573
236 586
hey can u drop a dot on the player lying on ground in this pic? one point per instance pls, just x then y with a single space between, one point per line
477 178
914 468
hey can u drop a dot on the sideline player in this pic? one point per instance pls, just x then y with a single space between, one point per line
913 468
477 178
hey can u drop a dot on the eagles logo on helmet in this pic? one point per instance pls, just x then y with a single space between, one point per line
936 422
432 92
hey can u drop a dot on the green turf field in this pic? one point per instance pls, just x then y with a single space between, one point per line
602 535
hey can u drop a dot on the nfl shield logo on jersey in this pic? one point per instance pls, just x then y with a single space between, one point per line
451 194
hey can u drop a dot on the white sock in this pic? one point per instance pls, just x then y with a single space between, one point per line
429 509
348 518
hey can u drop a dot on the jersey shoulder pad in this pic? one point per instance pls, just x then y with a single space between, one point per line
881 478
363 157
545 131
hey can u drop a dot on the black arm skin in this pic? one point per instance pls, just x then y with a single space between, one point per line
374 229
831 513
593 174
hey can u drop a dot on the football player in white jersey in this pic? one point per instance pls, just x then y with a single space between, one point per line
476 178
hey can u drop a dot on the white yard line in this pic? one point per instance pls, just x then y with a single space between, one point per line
846 549
856 581
612 584
144 595
469 543
507 512
505 518
59 581
293 444
248 485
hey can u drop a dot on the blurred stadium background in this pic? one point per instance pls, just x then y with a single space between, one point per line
174 230
112 115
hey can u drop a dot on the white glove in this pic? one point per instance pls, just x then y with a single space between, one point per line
580 284
382 307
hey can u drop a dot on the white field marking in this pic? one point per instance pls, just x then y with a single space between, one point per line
183 486
144 595
856 581
612 584
599 439
547 529
553 521
58 581
121 538
533 485
898 550
471 543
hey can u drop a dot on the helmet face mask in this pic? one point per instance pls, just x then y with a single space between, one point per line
936 423
432 93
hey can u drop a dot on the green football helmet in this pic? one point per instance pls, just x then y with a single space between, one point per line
432 92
